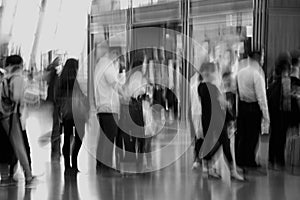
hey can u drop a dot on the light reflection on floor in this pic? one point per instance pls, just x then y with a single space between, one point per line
177 181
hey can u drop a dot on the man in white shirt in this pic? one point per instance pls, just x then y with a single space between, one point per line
107 93
253 114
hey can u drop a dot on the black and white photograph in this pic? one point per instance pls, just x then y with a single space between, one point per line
149 99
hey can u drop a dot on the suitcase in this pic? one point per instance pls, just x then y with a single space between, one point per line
293 154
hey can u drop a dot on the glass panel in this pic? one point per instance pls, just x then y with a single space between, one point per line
157 52
141 3
225 37
154 45
157 13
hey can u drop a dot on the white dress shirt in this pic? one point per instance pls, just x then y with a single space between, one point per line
252 88
105 84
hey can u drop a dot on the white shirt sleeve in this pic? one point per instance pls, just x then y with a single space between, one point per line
111 75
260 91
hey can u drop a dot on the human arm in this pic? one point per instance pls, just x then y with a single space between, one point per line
111 75
196 111
261 95
17 88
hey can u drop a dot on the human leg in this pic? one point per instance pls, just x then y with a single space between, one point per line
68 132
77 146
56 132
108 137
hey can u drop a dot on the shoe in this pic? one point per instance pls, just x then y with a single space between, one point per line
75 169
71 171
236 176
31 183
196 165
212 174
204 168
8 182
278 167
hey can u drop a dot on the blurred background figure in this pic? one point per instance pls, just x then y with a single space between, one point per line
295 90
132 124
12 89
107 90
195 110
213 117
253 112
279 100
230 93
53 82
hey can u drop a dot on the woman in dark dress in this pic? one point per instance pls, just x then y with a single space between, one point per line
213 115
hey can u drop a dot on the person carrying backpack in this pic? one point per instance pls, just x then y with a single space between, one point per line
12 87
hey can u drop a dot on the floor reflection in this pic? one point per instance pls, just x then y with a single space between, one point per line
70 190
175 182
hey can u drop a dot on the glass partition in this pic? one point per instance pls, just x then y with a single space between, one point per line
224 30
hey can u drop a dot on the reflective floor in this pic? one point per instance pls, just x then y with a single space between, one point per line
176 181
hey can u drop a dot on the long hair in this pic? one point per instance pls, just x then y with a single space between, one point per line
68 77
282 63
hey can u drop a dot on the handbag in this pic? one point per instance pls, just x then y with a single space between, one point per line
32 94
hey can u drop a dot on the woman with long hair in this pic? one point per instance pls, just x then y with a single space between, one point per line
68 83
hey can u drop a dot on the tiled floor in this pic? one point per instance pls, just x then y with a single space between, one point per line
175 181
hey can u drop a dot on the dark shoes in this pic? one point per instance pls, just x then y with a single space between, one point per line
276 167
8 182
71 171
31 183
108 172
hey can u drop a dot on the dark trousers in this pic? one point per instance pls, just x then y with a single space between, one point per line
107 140
198 142
248 130
14 162
56 132
19 142
68 125
279 126
225 143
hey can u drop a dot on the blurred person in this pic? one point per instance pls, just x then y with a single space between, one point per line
253 114
68 83
132 120
53 82
212 118
279 99
107 89
12 88
6 149
227 61
195 111
230 121
295 90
